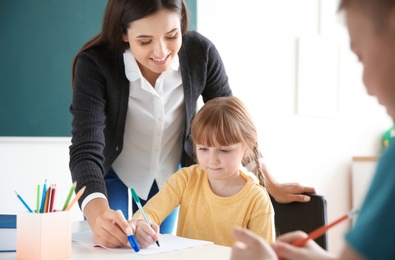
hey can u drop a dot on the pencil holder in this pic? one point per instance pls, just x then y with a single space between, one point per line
43 236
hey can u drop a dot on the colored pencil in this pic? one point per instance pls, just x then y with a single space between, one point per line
74 200
69 196
320 231
24 203
43 196
38 199
52 200
47 198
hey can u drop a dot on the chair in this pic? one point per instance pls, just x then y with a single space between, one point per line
302 216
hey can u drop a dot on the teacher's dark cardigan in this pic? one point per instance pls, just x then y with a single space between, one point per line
100 104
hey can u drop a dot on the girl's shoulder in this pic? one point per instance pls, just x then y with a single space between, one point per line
190 170
190 174
253 184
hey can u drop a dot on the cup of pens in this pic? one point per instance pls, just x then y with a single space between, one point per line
43 236
45 233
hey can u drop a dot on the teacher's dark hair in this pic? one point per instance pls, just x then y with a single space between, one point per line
120 13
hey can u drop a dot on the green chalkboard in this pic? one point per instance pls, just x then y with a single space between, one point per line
38 41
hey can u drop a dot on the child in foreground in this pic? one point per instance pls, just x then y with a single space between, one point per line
214 195
371 26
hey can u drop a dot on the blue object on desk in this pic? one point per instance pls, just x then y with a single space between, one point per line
7 233
7 221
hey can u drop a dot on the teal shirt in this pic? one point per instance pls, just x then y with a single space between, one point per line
373 235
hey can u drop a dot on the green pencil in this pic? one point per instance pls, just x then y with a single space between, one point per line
69 196
38 199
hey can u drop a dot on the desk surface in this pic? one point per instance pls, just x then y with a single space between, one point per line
209 252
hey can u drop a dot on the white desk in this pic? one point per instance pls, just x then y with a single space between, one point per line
209 252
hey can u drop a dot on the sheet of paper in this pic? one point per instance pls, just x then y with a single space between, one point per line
7 239
167 243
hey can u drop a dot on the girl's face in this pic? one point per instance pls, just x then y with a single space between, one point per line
155 41
220 162
375 48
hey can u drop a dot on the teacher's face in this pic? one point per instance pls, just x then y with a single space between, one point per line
154 41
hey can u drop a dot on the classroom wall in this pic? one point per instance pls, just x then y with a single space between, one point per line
290 61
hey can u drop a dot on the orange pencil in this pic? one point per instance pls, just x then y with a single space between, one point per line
321 230
74 200
47 195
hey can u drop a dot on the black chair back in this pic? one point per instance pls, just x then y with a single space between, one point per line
302 216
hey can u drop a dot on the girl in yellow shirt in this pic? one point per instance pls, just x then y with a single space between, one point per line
214 195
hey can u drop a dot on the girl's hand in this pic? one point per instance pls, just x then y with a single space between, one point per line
146 235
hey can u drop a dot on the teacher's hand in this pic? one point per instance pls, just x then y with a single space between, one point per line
289 192
108 226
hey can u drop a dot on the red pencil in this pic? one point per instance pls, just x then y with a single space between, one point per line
321 230
51 209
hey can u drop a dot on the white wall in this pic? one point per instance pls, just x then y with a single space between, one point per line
257 40
25 163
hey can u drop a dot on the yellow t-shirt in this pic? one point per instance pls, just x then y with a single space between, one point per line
207 216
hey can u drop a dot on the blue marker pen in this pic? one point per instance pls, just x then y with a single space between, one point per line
132 240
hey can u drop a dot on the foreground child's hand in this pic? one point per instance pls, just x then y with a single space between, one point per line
311 250
250 246
145 234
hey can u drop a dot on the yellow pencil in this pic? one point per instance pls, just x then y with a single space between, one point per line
74 200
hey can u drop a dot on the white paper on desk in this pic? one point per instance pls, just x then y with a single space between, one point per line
167 243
